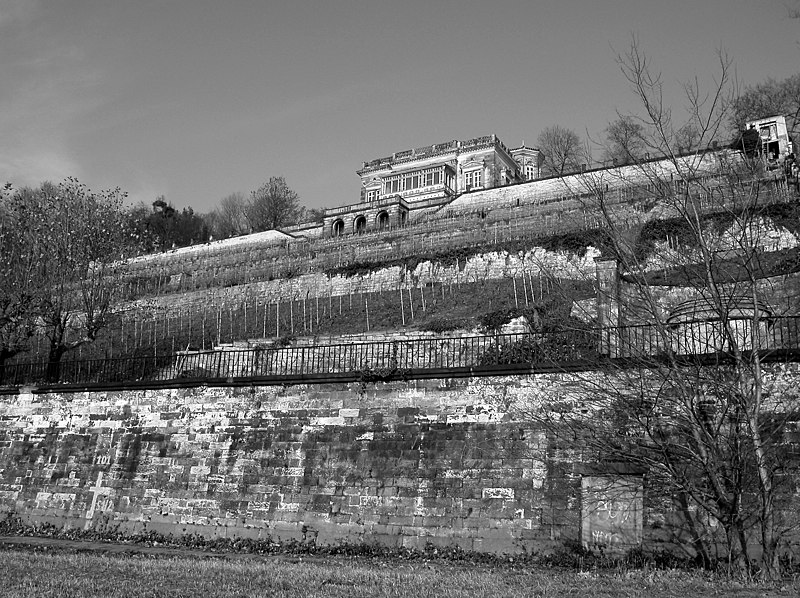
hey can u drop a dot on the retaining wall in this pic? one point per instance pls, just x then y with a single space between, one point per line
397 463
496 265
402 463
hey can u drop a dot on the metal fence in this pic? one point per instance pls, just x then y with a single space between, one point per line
703 337
464 355
291 362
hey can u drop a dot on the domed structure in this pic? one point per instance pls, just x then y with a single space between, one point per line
698 325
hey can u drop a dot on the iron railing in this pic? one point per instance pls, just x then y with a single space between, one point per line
423 357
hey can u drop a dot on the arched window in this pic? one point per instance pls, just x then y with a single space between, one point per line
337 228
382 220
360 225
403 217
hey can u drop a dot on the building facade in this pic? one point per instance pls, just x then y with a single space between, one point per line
775 145
429 176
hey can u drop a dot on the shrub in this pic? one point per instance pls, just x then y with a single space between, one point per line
440 325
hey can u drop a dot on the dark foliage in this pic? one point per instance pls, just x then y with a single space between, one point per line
552 346
678 229
166 227
440 325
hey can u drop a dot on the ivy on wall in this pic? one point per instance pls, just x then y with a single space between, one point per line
573 242
680 232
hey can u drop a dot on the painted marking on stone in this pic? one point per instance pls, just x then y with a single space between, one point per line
97 491
504 493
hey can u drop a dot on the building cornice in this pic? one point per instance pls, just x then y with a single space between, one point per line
431 151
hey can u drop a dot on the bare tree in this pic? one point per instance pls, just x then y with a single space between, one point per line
18 284
229 219
561 150
690 391
313 214
769 98
624 143
687 138
76 241
273 205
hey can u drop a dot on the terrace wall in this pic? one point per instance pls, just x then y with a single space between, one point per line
480 219
208 267
402 463
493 265
396 463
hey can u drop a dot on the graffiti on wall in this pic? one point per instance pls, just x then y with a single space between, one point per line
611 512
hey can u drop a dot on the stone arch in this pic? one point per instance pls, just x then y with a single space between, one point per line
382 220
337 228
360 224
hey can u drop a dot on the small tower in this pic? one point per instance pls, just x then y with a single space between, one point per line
775 144
529 160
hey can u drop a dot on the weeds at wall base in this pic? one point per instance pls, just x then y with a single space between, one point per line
570 556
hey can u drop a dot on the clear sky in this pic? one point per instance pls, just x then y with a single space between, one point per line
196 99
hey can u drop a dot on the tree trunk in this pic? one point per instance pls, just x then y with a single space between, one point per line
699 546
770 565
735 534
4 356
54 362
744 556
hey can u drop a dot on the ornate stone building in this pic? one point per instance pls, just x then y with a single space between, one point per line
427 177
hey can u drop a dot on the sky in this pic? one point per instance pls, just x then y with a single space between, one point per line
196 99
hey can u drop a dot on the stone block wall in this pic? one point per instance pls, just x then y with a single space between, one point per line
450 462
399 463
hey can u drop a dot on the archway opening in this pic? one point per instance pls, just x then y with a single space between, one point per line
360 225
382 220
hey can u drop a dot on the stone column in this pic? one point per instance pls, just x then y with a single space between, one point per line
608 289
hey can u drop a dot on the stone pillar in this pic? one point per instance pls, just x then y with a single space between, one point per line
608 289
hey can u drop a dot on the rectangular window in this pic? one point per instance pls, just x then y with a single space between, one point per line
372 195
769 131
472 180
